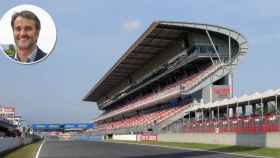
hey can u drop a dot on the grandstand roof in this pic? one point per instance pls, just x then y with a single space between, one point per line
242 99
158 36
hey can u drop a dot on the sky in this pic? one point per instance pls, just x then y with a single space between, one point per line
92 35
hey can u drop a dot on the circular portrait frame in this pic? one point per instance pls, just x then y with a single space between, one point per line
45 41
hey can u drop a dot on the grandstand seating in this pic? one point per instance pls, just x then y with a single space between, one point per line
142 120
172 89
245 124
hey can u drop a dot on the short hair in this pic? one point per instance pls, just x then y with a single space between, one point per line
28 15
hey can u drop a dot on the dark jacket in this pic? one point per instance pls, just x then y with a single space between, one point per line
10 51
39 55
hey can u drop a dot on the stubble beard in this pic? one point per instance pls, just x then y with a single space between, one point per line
25 45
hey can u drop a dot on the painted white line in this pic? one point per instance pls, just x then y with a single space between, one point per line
39 150
192 149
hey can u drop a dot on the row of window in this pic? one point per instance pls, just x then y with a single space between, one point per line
206 49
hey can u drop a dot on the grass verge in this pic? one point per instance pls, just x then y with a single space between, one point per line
28 151
258 151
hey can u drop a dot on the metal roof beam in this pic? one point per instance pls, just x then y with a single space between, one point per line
172 28
152 46
146 55
117 76
162 38
128 67
129 64
113 82
137 57
135 61
145 52
118 71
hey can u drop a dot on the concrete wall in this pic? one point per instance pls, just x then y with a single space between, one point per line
12 142
273 140
8 143
251 139
207 138
267 140
129 137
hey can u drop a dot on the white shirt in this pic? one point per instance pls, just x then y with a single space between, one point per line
31 57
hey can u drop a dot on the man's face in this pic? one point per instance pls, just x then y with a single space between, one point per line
25 33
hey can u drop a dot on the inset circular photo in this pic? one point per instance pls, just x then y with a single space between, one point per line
27 34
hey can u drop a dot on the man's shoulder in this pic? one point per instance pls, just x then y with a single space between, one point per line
40 54
9 49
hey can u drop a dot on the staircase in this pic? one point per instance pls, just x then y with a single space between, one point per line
176 116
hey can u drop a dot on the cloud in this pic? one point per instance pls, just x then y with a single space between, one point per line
131 25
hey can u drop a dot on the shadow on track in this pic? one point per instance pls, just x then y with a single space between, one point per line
189 154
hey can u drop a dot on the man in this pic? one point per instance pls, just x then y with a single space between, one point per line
26 28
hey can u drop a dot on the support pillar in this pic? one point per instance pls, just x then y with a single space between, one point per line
237 113
210 116
218 113
262 107
213 114
227 112
254 109
202 113
214 47
243 110
276 104
265 108
234 111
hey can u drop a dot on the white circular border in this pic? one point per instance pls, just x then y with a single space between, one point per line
47 36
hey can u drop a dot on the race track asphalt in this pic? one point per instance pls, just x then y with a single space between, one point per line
99 149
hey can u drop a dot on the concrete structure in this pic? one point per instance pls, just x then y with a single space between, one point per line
10 143
9 113
176 81
9 122
170 65
261 140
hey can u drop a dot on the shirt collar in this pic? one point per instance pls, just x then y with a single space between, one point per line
31 57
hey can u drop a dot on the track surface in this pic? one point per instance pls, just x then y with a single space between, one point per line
91 149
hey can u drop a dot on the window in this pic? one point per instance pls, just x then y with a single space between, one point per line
211 50
203 49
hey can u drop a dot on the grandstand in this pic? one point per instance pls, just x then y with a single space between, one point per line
177 77
7 129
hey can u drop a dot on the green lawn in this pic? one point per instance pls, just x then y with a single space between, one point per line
259 151
28 151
